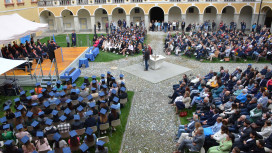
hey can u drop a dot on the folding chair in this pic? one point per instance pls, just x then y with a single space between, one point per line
94 128
80 131
115 123
75 102
50 137
65 135
105 139
123 101
103 127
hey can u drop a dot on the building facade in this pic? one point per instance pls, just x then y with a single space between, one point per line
82 15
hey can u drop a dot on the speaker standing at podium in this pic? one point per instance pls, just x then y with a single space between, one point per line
146 58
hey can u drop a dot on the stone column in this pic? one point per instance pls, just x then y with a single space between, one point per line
110 18
165 17
128 20
236 20
146 21
200 18
92 22
59 24
76 24
218 19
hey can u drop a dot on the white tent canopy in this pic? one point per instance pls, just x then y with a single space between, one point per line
7 64
14 26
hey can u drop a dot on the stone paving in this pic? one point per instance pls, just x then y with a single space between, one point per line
152 122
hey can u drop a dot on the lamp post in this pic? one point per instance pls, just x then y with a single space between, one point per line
259 12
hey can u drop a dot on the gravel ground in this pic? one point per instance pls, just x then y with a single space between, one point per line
152 122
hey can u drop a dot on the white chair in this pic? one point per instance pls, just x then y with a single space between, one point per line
123 101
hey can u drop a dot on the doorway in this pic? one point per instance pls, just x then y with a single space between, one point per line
156 13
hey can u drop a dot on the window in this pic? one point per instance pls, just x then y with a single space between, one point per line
208 10
224 10
8 1
191 10
104 12
20 1
120 11
137 10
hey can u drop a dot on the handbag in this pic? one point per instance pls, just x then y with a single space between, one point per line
183 114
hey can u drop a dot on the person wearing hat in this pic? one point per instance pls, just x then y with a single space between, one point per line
55 116
102 119
114 86
42 144
59 143
48 87
29 119
94 93
38 88
33 95
109 76
84 91
63 126
23 98
69 85
90 121
74 141
94 84
122 94
77 124
86 81
69 111
7 134
100 147
59 86
90 137
11 148
121 79
113 80
75 87
8 113
114 115
74 95
27 146
50 128
17 102
52 98
103 79
21 132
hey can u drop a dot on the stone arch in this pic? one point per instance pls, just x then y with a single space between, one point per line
156 13
210 13
136 13
68 20
227 14
192 15
246 16
84 18
101 15
174 13
118 13
48 17
266 16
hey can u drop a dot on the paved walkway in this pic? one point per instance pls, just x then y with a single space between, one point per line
152 122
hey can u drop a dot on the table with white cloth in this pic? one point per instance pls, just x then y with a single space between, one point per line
156 61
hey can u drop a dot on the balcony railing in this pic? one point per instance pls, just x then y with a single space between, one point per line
136 1
65 2
118 1
193 0
229 0
211 0
249 0
45 3
100 1
82 2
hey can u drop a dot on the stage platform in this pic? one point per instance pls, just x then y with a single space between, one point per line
70 54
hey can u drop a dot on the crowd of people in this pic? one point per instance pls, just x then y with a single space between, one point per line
223 44
30 50
122 40
232 111
42 121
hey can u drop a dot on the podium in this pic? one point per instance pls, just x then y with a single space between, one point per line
156 61
58 55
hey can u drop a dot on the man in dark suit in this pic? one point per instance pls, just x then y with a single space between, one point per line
210 121
195 144
182 25
262 82
249 143
74 39
77 124
146 58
